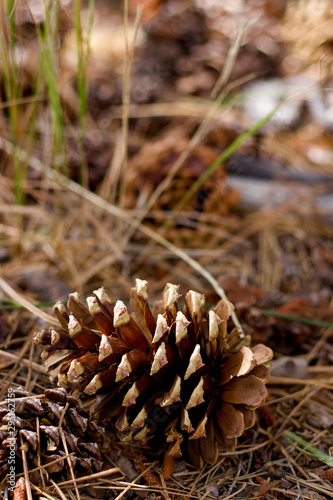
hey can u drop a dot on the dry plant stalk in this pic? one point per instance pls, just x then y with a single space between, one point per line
163 378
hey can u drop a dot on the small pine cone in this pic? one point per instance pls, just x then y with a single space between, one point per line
34 421
162 377
153 163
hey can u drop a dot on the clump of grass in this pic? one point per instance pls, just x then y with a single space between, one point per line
11 86
44 93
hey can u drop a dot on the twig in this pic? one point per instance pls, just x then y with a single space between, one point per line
233 484
128 487
297 481
312 485
291 460
64 443
296 408
319 344
25 469
236 492
246 450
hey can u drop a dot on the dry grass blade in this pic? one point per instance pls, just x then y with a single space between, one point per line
248 450
120 175
39 462
320 383
297 407
18 209
52 462
25 303
64 442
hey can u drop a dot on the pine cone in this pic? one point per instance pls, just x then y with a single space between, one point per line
152 164
35 420
161 376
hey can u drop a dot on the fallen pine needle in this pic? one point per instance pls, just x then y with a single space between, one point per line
26 304
16 358
98 475
300 381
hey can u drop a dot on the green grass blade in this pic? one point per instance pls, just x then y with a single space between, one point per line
11 86
298 319
47 36
222 158
83 52
307 448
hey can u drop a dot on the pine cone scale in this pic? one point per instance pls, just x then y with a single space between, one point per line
230 420
250 391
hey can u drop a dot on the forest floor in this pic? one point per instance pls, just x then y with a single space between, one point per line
191 143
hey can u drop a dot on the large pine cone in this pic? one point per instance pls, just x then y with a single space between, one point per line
162 375
47 427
